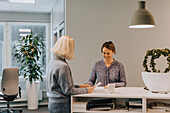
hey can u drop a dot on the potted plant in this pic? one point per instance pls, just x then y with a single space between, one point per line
154 79
27 53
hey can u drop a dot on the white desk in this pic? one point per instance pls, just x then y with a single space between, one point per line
78 102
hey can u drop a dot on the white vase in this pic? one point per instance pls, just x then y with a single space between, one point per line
159 82
32 94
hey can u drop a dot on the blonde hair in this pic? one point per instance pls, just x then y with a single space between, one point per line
64 47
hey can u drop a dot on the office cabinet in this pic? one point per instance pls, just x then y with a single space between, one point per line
122 95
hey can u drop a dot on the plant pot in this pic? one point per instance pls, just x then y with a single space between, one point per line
157 82
32 94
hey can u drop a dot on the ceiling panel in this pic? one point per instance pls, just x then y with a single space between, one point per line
4 6
22 7
15 5
44 6
44 1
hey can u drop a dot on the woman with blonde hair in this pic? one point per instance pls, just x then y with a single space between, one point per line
60 84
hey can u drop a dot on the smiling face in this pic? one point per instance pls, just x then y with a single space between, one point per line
107 54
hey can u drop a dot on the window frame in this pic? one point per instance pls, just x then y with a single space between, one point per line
4 48
7 41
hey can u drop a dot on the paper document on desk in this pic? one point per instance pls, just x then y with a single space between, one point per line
100 90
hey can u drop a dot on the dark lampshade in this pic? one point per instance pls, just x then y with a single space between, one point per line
142 18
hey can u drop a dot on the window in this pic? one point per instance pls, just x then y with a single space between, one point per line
14 32
1 47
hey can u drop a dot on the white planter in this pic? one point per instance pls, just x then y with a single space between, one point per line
159 82
32 94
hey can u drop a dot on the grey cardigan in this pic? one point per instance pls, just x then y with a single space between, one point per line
59 82
113 74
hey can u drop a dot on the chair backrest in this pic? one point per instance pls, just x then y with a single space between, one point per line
9 84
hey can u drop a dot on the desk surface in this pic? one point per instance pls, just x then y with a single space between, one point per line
128 92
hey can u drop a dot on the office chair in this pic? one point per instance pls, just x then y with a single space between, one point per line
10 88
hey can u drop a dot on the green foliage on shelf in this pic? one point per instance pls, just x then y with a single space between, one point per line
156 53
27 52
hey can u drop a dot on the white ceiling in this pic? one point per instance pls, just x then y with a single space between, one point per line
40 6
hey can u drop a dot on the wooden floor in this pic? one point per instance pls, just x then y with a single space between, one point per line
41 109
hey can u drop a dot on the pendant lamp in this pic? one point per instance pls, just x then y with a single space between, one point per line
142 18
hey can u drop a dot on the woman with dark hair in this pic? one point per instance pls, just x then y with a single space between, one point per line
107 70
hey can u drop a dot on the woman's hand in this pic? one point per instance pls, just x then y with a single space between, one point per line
105 87
90 89
84 85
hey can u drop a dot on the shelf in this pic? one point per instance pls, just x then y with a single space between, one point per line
110 111
124 93
157 112
80 107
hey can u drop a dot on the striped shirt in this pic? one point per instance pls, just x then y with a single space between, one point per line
113 74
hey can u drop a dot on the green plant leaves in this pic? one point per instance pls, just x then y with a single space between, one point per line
156 53
27 52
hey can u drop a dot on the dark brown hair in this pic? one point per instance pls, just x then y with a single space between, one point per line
109 45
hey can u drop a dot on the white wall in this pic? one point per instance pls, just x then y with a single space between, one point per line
92 22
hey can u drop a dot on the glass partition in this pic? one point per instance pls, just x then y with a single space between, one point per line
1 48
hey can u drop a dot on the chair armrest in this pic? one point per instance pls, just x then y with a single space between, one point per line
1 95
19 91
